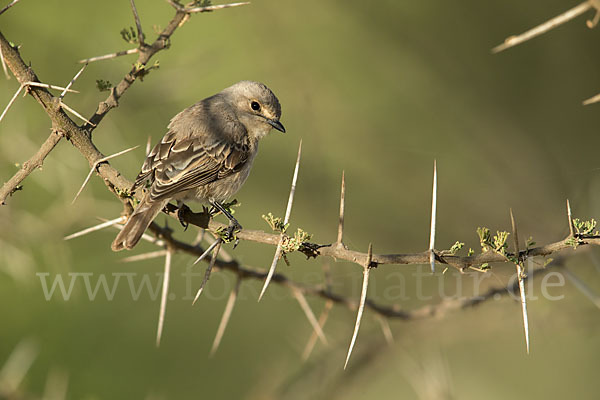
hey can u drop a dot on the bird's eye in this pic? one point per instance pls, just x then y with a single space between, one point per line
255 106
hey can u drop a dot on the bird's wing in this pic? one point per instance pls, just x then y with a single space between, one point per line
176 164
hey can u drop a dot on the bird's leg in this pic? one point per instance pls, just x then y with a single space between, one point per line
234 225
182 209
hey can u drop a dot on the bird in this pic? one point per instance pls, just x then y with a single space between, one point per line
206 155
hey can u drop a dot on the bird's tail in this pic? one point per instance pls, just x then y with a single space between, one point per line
137 223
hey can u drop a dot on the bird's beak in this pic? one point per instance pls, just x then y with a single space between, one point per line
276 124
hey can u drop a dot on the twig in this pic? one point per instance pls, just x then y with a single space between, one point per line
428 311
138 25
109 56
309 314
9 6
176 5
103 159
433 219
35 162
288 211
164 296
461 263
226 315
361 305
545 27
215 254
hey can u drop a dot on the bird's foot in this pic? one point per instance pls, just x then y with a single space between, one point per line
230 233
181 212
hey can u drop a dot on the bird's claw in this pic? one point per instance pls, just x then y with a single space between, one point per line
181 211
230 233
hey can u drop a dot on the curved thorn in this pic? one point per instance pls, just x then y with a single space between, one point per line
361 305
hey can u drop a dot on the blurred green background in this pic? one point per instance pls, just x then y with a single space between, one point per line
378 89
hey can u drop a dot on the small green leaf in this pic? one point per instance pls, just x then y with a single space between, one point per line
485 238
456 247
500 244
103 85
573 242
129 35
202 3
275 223
291 244
584 227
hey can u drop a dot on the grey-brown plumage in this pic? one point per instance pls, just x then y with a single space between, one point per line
206 154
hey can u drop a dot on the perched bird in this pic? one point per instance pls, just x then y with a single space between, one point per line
205 156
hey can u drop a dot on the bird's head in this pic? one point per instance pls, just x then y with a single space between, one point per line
256 107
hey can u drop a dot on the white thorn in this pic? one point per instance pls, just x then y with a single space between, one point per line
212 246
15 368
546 26
523 306
95 228
215 7
225 317
361 307
144 256
313 337
9 6
385 328
62 95
89 175
163 298
75 113
11 102
217 246
433 219
109 56
309 313
288 212
583 288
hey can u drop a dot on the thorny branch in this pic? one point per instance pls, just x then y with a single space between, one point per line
552 23
29 166
81 138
